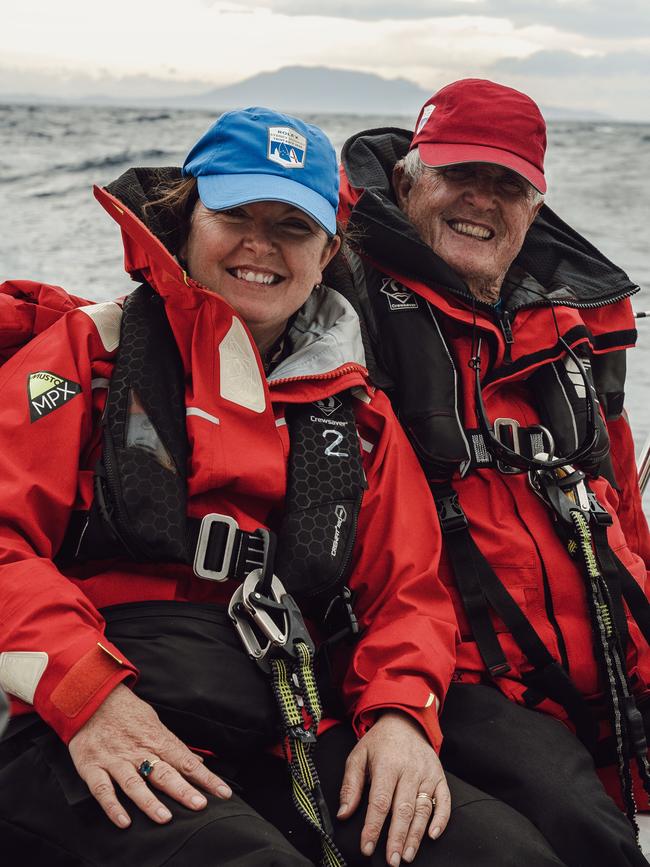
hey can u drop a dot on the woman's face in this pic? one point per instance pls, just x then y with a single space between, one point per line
263 258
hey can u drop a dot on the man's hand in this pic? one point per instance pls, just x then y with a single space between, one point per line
401 764
122 733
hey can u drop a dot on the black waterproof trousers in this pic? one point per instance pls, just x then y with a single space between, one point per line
532 762
49 819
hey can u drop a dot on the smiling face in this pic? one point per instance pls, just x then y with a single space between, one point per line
473 215
263 258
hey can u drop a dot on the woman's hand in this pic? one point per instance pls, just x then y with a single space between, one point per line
122 733
402 765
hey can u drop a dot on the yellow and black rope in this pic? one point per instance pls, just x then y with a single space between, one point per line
295 690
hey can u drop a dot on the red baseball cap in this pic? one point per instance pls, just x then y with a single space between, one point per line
478 121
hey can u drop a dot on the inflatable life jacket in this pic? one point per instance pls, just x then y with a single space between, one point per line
139 508
414 362
139 512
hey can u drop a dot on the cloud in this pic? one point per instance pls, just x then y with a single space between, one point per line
565 64
604 18
614 85
527 43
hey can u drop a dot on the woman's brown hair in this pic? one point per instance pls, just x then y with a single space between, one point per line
171 210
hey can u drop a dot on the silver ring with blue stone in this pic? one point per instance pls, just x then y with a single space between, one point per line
146 768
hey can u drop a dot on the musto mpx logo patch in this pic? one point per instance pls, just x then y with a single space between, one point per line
48 391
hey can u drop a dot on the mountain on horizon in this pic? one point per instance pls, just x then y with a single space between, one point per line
297 89
317 89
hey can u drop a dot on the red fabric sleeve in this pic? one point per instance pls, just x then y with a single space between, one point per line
49 631
630 507
406 654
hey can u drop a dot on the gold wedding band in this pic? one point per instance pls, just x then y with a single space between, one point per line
425 795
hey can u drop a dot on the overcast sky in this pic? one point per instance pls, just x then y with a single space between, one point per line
592 54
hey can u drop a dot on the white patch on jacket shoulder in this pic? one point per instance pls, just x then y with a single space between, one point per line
240 377
21 671
107 318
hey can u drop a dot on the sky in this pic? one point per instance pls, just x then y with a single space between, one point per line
585 54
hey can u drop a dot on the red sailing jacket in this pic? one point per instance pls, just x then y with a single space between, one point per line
55 658
510 524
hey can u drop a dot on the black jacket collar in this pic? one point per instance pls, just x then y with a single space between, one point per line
565 268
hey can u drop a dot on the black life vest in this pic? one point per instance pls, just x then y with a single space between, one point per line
414 362
139 512
140 504
194 670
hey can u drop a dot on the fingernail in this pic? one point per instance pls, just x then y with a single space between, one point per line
123 820
224 791
368 848
409 855
435 833
198 801
342 809
163 813
395 859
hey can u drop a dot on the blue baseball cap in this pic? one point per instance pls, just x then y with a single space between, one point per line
256 155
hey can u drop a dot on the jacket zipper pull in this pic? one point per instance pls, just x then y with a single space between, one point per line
504 322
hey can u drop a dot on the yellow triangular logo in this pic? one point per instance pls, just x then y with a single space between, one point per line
47 391
41 382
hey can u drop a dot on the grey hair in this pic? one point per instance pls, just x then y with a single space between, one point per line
413 168
411 165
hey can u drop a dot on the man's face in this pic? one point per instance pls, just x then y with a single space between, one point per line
473 215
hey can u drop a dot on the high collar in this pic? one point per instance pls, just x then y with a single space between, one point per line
324 335
565 268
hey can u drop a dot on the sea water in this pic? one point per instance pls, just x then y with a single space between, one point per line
52 229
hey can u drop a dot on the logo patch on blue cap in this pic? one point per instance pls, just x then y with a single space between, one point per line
287 147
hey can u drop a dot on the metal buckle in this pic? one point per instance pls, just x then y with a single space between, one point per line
513 425
200 569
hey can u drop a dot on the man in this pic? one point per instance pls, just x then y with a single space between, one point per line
497 330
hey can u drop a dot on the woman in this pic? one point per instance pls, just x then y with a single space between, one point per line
154 448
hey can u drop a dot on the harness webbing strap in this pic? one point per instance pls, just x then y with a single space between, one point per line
474 574
619 580
636 599
526 441
466 570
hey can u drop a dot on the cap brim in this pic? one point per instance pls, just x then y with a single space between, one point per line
444 154
218 192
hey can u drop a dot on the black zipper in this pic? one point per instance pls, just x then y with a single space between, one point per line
544 302
506 329
116 516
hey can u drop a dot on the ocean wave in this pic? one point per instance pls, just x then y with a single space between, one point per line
110 160
145 118
107 161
